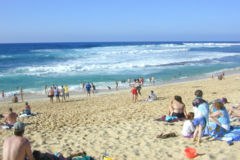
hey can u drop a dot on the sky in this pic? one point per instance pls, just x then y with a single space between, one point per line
118 20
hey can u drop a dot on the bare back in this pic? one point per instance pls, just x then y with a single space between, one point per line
177 107
11 118
16 148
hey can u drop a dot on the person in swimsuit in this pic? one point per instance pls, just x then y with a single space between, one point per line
51 94
27 109
88 88
17 147
177 108
134 94
3 95
93 88
10 118
62 93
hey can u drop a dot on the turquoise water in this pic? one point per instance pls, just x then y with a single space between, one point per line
31 66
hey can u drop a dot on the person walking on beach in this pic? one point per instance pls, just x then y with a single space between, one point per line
134 94
57 94
66 92
83 86
93 88
62 93
138 87
51 94
3 95
21 93
45 89
88 88
153 80
116 85
17 147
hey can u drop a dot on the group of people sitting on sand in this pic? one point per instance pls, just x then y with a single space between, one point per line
213 120
10 118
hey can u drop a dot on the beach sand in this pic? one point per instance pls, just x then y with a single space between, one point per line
111 123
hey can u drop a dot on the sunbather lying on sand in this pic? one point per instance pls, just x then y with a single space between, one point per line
234 110
57 156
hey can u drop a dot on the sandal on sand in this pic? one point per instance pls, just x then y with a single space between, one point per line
164 136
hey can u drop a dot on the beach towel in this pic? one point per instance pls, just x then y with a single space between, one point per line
27 115
7 126
232 135
170 119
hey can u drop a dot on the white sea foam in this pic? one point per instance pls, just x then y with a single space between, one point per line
116 63
5 56
211 44
46 50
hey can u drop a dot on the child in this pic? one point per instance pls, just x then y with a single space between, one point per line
188 128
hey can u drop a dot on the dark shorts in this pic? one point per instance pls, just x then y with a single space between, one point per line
50 96
179 115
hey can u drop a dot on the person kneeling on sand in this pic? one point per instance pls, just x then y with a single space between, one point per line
17 147
10 118
188 128
219 120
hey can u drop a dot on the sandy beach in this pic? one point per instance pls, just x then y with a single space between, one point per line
111 123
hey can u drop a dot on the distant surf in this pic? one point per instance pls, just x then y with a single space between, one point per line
31 66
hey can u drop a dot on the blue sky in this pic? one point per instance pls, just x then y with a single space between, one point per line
119 20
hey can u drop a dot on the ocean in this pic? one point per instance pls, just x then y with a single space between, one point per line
33 65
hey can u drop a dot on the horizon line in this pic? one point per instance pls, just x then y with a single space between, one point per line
200 41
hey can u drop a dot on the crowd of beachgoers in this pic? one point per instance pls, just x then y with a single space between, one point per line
209 118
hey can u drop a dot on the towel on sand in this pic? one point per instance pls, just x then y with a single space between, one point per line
170 119
27 115
232 135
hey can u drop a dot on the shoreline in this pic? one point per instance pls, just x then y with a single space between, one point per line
30 97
